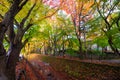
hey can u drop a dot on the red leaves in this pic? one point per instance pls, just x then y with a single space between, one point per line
30 73
79 10
52 3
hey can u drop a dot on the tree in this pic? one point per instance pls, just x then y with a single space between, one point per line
6 23
81 12
15 28
105 10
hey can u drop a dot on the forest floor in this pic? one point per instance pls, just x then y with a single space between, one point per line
38 70
35 69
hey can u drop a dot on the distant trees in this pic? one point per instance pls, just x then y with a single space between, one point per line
94 21
57 35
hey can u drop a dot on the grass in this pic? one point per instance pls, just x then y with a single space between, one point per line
83 70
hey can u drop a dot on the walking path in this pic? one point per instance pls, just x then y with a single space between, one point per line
38 70
47 71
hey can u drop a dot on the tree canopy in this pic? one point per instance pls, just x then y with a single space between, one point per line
57 27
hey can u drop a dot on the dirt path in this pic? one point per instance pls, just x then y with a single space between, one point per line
38 70
26 71
47 71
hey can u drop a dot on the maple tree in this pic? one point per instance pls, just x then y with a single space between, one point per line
80 11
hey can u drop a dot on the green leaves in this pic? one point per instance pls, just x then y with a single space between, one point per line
117 40
104 0
101 41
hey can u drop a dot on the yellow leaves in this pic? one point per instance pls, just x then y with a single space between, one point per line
4 5
87 6
92 37
33 1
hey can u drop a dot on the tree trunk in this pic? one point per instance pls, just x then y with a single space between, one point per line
11 62
2 68
8 64
80 46
2 53
112 47
63 46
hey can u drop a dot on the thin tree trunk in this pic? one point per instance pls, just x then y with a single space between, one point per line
112 47
63 46
80 46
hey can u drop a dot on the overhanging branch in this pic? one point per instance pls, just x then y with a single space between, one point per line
48 15
26 17
27 27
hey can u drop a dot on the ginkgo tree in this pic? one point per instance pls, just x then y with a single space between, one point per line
56 33
14 25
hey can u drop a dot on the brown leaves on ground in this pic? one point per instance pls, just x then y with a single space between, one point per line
29 73
66 69
38 70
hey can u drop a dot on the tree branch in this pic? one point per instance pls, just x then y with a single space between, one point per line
104 18
17 23
1 16
48 15
24 43
6 38
22 4
11 33
112 8
26 17
27 27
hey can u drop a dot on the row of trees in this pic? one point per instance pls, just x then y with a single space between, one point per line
74 25
94 22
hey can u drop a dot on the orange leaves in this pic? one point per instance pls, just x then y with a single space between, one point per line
80 10
68 6
30 73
